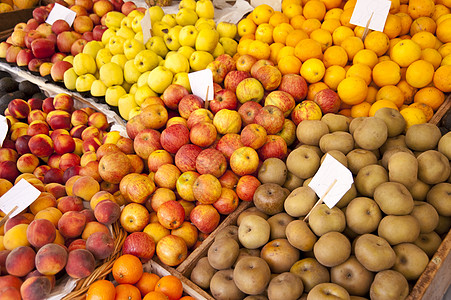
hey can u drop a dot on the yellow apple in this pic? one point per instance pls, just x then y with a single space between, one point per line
92 48
188 4
103 56
70 77
219 50
70 58
125 104
142 80
169 19
84 82
119 59
157 45
160 28
171 39
98 88
203 23
113 93
226 29
139 37
135 13
199 60
131 72
230 45
183 80
207 39
134 112
116 45
126 86
188 35
142 93
125 32
84 64
127 22
132 47
112 137
177 63
156 13
111 74
107 34
146 60
159 79
186 51
205 9
136 23
133 89
186 16
114 19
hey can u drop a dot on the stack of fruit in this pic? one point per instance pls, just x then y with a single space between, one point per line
10 5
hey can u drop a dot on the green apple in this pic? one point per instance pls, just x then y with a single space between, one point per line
134 112
131 72
116 45
84 64
205 9
114 19
84 82
205 23
142 93
103 56
159 79
136 23
127 22
186 51
219 50
70 77
188 35
177 63
126 32
191 4
183 80
69 58
186 16
132 47
107 35
160 28
98 88
92 48
146 60
229 45
142 80
207 39
120 60
133 89
157 45
156 13
169 19
125 104
111 74
171 39
226 29
199 60
113 93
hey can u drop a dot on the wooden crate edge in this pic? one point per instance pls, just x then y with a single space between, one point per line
441 111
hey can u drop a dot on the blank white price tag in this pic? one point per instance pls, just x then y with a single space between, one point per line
60 12
21 195
331 173
201 82
374 10
3 128
146 25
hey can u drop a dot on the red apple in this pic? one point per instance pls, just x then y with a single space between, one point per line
328 101
117 4
147 141
88 36
205 217
60 26
185 158
253 135
174 137
188 104
246 187
58 69
233 78
59 56
245 62
260 63
65 39
95 19
32 24
11 54
24 57
218 69
275 146
45 29
248 111
87 4
98 31
203 134
282 100
173 94
224 99
271 118
31 36
306 110
211 161
228 202
35 64
199 116
77 46
171 214
139 244
128 7
42 48
40 14
228 144
228 61
295 85
269 76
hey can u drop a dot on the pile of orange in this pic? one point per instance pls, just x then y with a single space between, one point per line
407 66
135 284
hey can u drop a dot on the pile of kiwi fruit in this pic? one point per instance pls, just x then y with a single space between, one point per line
373 244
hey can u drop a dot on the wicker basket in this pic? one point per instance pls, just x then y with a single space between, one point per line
104 267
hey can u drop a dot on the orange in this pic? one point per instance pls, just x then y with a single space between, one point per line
333 13
297 21
378 42
275 48
278 18
384 58
262 13
358 31
446 60
371 95
101 290
155 296
439 11
310 25
431 96
421 8
289 64
127 292
127 269
330 25
264 33
420 73
352 90
346 17
295 36
345 112
249 36
341 33
147 283
432 56
423 24
360 70
379 104
292 10
424 39
281 32
333 76
406 21
187 298
405 52
246 26
407 90
413 116
350 4
391 93
393 42
259 50
287 2
171 286
314 88
360 110
307 49
444 31
386 72
335 55
313 70
393 26
287 50
394 7
331 4
444 50
366 57
323 37
352 45
314 9
243 46
404 8
443 18
427 110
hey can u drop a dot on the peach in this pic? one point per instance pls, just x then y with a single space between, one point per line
100 244
37 273
71 224
40 171
59 119
90 132
100 196
59 239
63 143
44 201
27 163
87 157
10 280
91 144
77 130
98 120
16 220
19 108
80 263
3 255
89 214
64 102
70 203
54 175
85 187
77 244
51 259
8 154
56 189
70 184
107 212
38 127
69 160
20 261
41 232
41 145
36 114
52 214
10 293
93 227
79 117
91 170
5 186
36 288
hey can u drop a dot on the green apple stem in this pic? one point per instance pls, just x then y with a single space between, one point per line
320 200
5 218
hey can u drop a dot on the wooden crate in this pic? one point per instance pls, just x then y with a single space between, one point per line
441 111
11 18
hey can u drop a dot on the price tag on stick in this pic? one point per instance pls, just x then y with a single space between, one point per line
19 197
371 14
331 182
201 83
146 26
60 12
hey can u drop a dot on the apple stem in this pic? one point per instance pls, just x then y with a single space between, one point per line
320 200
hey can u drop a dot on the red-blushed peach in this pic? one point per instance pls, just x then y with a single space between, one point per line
91 144
16 220
76 131
68 160
88 157
54 175
8 154
36 288
85 187
3 256
107 212
70 185
19 108
80 263
64 102
90 132
56 189
5 186
44 200
89 214
70 172
41 232
63 143
52 214
70 203
59 119
20 261
36 114
100 196
53 161
38 127
114 166
40 171
10 293
41 145
98 120
100 244
77 244
92 227
79 117
71 224
51 259
10 280
37 273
